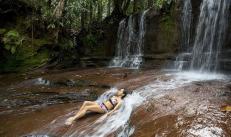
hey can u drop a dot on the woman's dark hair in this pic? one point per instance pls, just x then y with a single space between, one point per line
125 94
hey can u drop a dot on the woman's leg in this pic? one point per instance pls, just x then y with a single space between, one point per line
87 103
92 108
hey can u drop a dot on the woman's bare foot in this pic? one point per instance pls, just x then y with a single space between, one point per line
69 121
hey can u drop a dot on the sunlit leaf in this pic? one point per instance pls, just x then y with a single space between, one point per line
226 108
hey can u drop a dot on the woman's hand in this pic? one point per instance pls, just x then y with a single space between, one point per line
69 121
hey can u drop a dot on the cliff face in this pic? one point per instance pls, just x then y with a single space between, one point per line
162 38
226 49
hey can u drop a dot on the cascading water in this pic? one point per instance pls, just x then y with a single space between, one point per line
210 29
119 121
182 59
210 35
186 24
129 49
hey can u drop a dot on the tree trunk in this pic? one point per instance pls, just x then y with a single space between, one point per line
58 13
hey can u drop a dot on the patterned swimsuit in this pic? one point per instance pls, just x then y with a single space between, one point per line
112 100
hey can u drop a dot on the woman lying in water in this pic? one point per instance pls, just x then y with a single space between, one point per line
107 107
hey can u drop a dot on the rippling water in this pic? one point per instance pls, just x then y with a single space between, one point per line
118 121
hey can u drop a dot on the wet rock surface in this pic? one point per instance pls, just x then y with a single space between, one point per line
193 110
42 104
23 96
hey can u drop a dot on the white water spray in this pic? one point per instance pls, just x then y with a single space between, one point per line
130 42
182 60
117 122
210 35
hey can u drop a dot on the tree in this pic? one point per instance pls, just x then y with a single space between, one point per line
120 6
138 5
150 3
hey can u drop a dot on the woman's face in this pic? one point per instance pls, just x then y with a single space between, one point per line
120 92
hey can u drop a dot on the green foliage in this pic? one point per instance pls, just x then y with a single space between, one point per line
161 3
66 44
2 31
167 23
168 34
12 40
27 56
72 10
90 41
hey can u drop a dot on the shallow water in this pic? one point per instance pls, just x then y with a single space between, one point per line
162 104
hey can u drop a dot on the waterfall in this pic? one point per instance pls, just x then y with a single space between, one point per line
186 24
210 35
186 18
209 38
130 42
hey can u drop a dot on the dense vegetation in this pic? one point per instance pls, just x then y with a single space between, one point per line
59 32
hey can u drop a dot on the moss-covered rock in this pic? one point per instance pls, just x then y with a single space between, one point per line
26 56
162 35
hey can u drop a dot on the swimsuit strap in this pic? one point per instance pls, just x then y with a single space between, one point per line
105 106
113 101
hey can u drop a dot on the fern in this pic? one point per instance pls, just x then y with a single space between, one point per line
12 40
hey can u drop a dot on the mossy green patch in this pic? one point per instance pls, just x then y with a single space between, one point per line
168 33
12 40
27 56
90 41
168 23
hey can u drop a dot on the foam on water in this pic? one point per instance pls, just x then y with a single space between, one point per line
119 122
201 131
106 125
199 76
158 88
130 43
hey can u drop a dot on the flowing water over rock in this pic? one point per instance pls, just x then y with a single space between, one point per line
130 42
209 38
122 122
183 101
161 104
186 18
210 35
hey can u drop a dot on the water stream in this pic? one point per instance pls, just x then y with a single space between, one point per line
210 35
209 38
182 60
130 42
119 122
104 126
204 57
